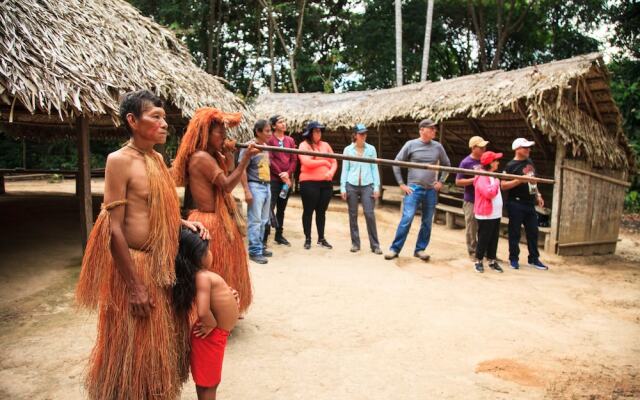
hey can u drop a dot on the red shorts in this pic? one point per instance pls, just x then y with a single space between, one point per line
206 357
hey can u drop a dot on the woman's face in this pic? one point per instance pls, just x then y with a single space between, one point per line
494 165
217 136
316 135
361 138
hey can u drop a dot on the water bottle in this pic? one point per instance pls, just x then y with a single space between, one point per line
284 191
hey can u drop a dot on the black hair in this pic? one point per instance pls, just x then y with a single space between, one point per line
259 126
134 103
488 166
274 120
190 252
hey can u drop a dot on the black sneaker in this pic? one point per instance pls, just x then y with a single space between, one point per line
376 250
355 249
537 264
479 267
495 266
258 259
267 253
281 240
307 244
325 244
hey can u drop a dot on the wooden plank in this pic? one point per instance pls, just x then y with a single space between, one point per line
83 179
599 176
588 243
556 202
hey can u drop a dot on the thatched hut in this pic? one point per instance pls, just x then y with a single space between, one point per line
65 63
565 106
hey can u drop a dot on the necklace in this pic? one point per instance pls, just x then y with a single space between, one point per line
139 150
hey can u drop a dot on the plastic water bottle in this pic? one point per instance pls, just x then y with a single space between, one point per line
284 191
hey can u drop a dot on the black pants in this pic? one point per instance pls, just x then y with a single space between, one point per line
488 233
316 196
278 205
519 214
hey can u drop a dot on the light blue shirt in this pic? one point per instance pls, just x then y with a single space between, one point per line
359 173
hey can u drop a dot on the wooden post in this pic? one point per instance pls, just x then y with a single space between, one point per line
556 203
379 204
2 189
83 179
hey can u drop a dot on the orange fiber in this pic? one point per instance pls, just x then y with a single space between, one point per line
197 137
136 358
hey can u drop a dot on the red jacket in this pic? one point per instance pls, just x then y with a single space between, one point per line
485 192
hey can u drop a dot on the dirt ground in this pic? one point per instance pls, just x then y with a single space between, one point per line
329 324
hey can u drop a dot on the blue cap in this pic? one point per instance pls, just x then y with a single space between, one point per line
311 126
360 128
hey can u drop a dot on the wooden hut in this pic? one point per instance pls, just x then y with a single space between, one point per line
565 106
65 63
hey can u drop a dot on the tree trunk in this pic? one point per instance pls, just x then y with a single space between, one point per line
217 38
272 83
399 79
211 29
258 52
427 42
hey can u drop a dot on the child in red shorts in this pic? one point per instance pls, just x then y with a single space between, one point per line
217 310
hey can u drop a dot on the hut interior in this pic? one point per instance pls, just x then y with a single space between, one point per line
564 106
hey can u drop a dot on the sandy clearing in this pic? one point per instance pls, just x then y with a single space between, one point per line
332 324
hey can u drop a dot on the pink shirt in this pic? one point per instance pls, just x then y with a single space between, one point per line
317 168
488 200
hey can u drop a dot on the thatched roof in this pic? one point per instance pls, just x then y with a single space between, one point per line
583 79
72 57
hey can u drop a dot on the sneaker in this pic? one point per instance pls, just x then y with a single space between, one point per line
324 243
258 259
422 255
495 266
479 267
514 264
390 255
267 253
355 249
281 240
307 244
537 264
376 251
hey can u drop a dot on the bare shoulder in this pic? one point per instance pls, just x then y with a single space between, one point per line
201 159
214 278
203 278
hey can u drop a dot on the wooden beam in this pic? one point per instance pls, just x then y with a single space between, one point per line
556 203
598 176
535 133
477 129
83 179
593 103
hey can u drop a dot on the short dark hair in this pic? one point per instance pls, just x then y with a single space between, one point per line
134 103
274 120
259 126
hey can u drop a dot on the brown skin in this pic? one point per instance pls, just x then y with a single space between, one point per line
261 138
476 153
521 153
202 166
217 305
360 140
126 178
427 134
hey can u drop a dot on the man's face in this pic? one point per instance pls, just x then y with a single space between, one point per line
151 125
477 151
217 135
523 152
428 133
264 135
281 125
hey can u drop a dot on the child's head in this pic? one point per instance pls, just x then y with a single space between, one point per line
193 255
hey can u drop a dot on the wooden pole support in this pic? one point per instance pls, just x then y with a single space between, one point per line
83 179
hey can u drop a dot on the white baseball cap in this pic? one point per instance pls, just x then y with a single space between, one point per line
521 142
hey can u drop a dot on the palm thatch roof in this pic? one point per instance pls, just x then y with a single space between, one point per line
541 93
65 58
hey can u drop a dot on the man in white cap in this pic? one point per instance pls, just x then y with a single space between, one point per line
477 145
522 198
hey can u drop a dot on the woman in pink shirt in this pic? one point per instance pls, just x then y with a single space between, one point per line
316 174
487 208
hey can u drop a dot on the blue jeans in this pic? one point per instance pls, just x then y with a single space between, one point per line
421 197
258 216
